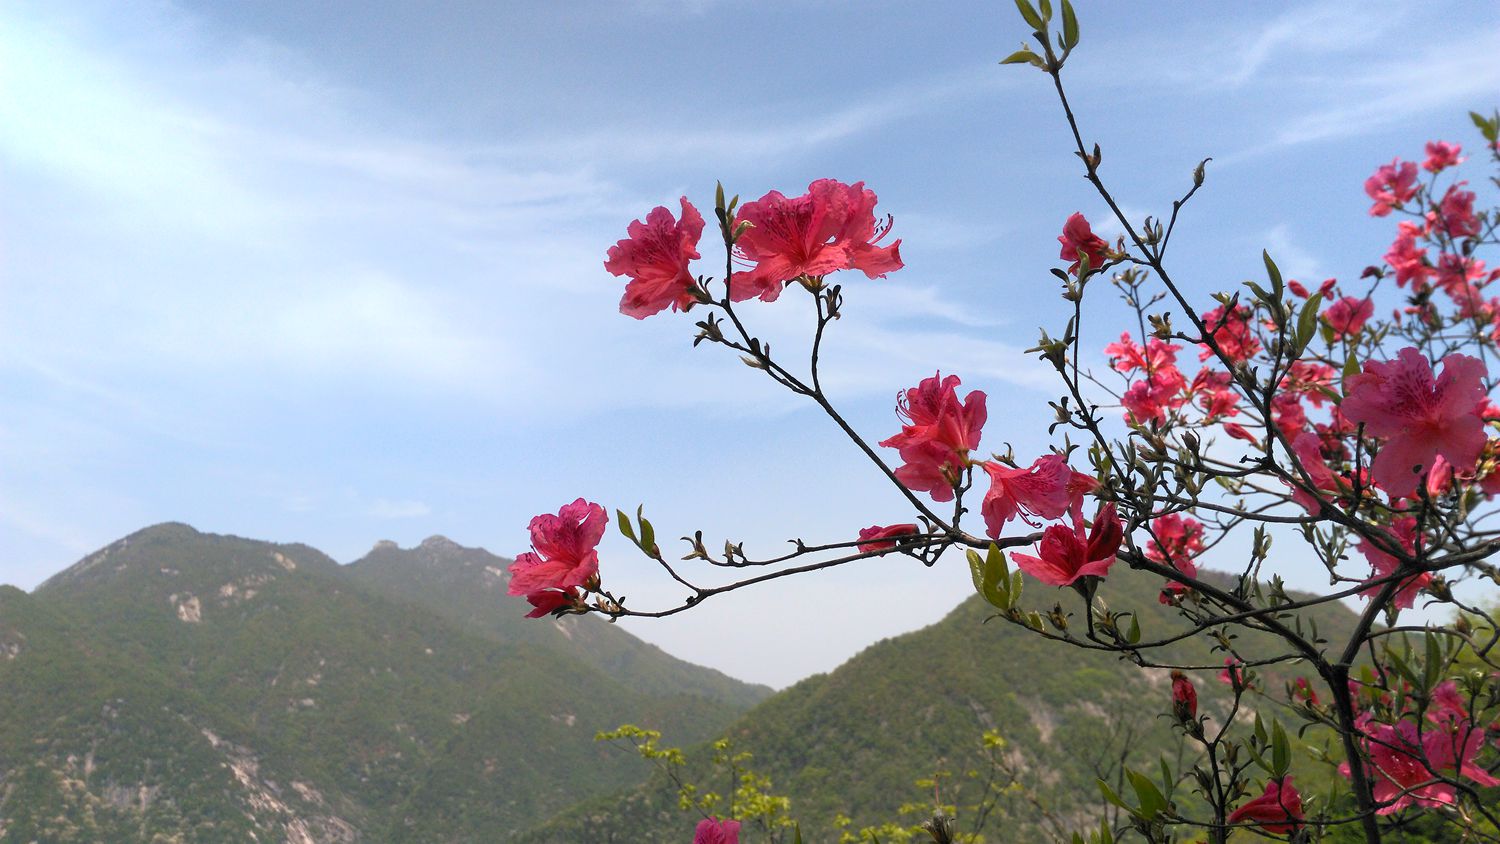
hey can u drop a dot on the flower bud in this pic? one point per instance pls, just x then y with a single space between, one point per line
1184 699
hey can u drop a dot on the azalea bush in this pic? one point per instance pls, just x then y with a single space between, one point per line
1351 419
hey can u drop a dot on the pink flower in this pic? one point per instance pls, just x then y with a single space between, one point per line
1456 213
1392 185
1152 398
829 228
1047 489
1177 539
1442 155
1240 432
1404 764
1288 414
1307 447
1157 356
1310 379
1231 331
1079 241
938 435
1404 531
1277 811
656 256
715 831
1233 675
1407 260
550 601
1184 698
564 554
1420 417
1215 394
1347 316
884 538
1066 554
1303 691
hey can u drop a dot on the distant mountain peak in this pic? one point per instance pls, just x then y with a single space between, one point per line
438 542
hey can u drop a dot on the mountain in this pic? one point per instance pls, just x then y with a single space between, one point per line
855 740
183 686
468 586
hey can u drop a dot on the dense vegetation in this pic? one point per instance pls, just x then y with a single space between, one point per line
197 688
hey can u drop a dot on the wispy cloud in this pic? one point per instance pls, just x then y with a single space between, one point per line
384 508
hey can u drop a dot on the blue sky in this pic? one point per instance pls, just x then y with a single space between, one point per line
331 272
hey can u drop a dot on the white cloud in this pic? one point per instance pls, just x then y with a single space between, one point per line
384 508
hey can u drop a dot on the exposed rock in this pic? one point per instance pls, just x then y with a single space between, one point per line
189 609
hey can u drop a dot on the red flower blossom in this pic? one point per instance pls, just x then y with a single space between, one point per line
1308 449
1442 155
1047 489
884 538
1407 260
549 601
1420 417
1079 241
938 435
1392 185
564 554
1231 331
1303 691
1404 761
1347 316
1455 214
829 228
715 831
1404 531
656 256
1177 539
1233 674
1184 698
1277 811
1068 553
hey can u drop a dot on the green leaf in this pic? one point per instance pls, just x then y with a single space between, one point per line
1070 26
1033 19
1281 751
1434 668
1351 366
1307 322
1046 7
648 537
1274 273
1166 777
625 528
1111 796
1153 802
988 573
797 833
1022 57
1133 635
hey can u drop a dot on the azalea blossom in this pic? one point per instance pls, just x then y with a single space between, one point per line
549 601
564 555
1079 241
829 228
1184 698
656 256
1233 674
939 433
1303 691
1419 416
1347 316
1157 355
878 538
1067 554
1278 810
1176 540
1047 489
1404 531
1442 155
1307 448
1392 185
1455 213
1230 330
715 831
1407 259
